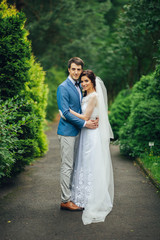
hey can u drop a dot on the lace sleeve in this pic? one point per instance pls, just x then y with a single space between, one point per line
90 106
92 102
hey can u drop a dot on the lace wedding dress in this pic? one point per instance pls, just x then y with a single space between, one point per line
92 184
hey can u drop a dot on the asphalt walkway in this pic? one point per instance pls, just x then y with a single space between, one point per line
29 205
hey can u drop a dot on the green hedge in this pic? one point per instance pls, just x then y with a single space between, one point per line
120 111
22 77
9 130
143 124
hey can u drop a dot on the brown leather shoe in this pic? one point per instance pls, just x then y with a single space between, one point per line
70 206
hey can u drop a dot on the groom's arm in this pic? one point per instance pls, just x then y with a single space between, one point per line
63 105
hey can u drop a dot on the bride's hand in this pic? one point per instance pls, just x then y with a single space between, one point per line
92 124
70 110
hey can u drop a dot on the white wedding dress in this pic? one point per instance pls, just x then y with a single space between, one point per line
92 183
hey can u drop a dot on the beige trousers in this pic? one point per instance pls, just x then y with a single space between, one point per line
68 148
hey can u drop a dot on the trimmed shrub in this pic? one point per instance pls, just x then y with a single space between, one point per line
120 111
9 130
15 51
143 125
22 77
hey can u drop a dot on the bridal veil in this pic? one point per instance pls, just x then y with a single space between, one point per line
100 202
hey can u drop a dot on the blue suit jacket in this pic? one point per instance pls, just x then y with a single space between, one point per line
68 97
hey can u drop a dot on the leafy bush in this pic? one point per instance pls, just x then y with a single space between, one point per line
15 51
53 78
143 125
9 130
35 91
120 111
20 76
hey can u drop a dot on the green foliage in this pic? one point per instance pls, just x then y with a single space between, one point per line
36 92
119 111
152 163
120 47
115 9
20 76
65 29
143 125
53 78
15 51
132 48
9 131
79 28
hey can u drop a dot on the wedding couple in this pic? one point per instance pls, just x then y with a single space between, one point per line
84 133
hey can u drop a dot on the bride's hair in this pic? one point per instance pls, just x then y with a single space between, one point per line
90 74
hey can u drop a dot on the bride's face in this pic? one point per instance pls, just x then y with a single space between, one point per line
86 84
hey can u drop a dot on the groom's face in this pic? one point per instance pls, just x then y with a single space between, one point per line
75 71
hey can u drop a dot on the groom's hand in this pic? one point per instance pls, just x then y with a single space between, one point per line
92 124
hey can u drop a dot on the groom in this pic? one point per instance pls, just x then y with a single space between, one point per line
69 96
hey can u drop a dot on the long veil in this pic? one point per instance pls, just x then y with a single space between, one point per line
101 202
104 125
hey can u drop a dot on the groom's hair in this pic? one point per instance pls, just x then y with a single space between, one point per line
76 60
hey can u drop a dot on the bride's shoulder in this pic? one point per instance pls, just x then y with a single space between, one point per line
92 95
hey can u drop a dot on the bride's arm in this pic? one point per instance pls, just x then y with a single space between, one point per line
78 114
89 109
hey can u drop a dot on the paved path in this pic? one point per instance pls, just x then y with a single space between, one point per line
29 206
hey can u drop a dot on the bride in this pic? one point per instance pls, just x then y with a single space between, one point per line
92 183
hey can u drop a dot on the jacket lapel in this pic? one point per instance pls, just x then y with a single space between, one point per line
73 87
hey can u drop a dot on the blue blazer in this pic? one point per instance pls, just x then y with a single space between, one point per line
68 97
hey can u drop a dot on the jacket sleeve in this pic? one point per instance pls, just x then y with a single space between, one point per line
63 105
